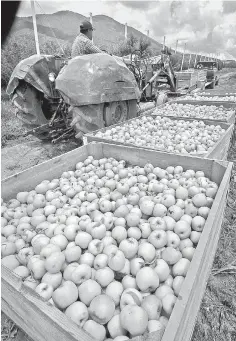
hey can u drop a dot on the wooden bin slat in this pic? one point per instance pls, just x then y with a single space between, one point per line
218 151
42 321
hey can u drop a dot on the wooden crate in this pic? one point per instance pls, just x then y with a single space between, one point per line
217 92
42 321
218 151
226 105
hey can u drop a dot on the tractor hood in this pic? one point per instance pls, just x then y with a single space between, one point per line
34 70
96 78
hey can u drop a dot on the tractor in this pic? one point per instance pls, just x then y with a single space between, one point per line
211 68
59 99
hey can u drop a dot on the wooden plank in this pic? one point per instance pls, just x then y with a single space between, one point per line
218 151
39 319
19 302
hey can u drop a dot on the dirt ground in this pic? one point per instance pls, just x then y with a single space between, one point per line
216 319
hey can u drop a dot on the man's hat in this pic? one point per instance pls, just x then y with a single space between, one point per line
86 25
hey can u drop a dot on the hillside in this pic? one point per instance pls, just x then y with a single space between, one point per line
65 26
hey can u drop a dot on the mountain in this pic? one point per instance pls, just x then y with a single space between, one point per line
65 26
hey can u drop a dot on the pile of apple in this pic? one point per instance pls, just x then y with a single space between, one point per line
195 111
108 244
163 133
197 97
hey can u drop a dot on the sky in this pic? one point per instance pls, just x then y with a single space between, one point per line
205 26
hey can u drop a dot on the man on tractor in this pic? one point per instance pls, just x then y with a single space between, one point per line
83 43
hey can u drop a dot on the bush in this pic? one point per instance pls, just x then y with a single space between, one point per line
21 46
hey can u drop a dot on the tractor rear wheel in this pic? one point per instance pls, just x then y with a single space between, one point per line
89 118
29 102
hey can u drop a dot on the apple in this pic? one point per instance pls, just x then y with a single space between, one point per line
129 282
187 218
100 261
38 269
104 276
168 303
78 312
44 290
173 239
147 279
135 265
152 305
203 212
157 223
134 319
83 239
101 309
129 247
158 238
115 290
155 326
24 255
169 281
116 260
10 262
168 200
30 282
147 252
70 232
181 267
130 296
188 252
81 273
8 230
96 330
95 247
177 284
52 279
88 290
198 223
195 237
119 233
54 262
182 229
162 269
65 295
114 327
109 249
171 256
20 244
98 232
146 207
8 248
121 211
67 272
163 290
185 243
159 210
72 254
120 222
145 229
175 212
59 240
199 200
190 210
134 232
48 250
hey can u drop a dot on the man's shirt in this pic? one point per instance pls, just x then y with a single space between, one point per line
83 45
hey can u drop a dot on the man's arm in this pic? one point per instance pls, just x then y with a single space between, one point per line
91 48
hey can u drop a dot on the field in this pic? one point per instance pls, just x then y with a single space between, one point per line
217 316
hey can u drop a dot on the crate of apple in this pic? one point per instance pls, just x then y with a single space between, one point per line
162 133
107 243
196 111
200 97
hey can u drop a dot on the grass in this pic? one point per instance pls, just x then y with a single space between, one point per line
11 126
